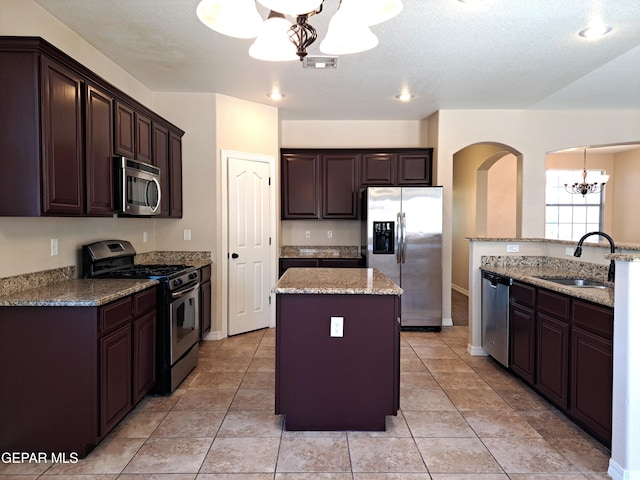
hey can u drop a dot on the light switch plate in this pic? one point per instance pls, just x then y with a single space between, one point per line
337 326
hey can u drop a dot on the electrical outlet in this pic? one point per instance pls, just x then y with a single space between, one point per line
54 247
144 237
513 248
329 233
307 234
337 326
568 251
187 235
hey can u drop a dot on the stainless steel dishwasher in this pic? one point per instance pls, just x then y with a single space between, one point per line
495 316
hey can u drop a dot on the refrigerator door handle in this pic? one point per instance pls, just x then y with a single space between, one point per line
398 239
404 240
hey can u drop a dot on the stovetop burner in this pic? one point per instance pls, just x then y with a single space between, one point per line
146 271
114 259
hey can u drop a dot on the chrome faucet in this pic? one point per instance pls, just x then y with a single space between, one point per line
611 274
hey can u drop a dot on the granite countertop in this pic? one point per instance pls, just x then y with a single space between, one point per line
293 251
528 269
76 293
61 287
336 281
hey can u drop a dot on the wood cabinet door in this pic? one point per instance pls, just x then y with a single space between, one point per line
144 355
143 138
592 382
378 169
522 334
175 169
552 365
124 141
160 140
62 142
339 186
205 308
99 157
300 186
414 169
115 378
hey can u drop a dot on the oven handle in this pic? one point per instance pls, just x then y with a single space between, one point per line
182 293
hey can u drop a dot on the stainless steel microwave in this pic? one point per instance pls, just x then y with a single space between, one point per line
137 187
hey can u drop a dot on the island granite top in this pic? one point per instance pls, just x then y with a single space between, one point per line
336 281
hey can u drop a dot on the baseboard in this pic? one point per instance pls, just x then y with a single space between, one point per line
476 351
461 290
618 473
214 335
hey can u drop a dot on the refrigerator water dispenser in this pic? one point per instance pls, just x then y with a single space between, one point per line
383 238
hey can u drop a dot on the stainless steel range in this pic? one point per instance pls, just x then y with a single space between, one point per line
178 324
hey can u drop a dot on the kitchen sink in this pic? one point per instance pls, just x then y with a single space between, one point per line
576 282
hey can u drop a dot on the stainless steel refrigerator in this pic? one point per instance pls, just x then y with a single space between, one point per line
402 237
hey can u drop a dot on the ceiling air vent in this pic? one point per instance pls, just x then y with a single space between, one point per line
319 62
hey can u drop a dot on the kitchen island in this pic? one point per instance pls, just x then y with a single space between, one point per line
337 348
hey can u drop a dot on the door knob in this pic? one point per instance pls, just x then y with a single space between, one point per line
234 255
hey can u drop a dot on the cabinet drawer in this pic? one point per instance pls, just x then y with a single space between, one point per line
144 301
556 304
523 294
115 314
593 318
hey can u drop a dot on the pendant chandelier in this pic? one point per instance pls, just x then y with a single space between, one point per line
279 39
583 188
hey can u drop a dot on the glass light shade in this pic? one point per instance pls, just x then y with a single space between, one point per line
235 18
291 7
273 42
372 12
347 34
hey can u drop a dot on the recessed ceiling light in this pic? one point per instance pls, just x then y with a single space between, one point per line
595 31
275 96
404 97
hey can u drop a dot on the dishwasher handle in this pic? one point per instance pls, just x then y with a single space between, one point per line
495 279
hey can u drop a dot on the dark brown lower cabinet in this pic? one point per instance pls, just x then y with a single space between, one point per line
75 372
563 347
552 366
205 301
350 382
115 377
592 368
522 342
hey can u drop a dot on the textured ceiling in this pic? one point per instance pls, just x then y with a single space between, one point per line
497 54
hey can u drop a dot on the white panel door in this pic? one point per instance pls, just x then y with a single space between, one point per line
249 210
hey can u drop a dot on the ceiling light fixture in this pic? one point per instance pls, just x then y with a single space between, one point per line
595 31
348 30
404 97
585 187
275 96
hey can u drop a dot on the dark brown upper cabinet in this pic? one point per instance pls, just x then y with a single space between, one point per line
339 186
60 126
99 180
325 183
300 185
62 156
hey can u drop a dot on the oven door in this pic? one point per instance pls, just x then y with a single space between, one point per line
184 321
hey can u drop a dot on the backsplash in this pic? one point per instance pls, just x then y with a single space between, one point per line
10 285
572 267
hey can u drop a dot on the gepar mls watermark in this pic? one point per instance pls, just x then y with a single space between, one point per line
38 457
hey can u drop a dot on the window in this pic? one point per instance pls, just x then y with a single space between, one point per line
569 216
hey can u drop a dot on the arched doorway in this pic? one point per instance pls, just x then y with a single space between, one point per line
487 201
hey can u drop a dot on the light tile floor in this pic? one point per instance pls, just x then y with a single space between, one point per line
461 417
